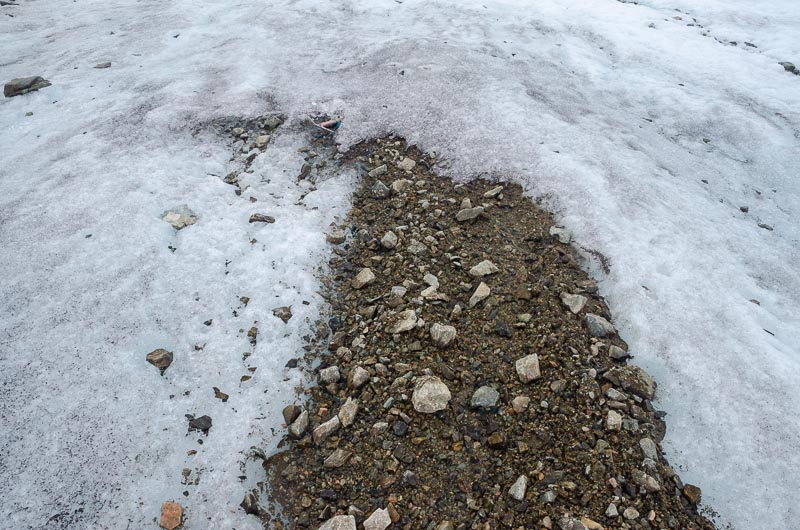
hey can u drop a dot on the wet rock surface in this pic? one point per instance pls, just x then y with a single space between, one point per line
527 417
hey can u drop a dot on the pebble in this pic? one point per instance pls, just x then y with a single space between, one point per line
613 421
484 268
611 511
262 140
202 424
442 335
599 326
339 522
330 374
403 321
290 413
102 66
481 293
494 192
298 428
485 397
336 237
347 414
520 404
364 277
284 313
380 191
528 368
389 240
468 214
358 376
179 217
630 513
649 449
617 353
518 489
591 525
401 185
23 85
407 164
378 171
644 480
789 67
562 234
574 302
261 218
171 515
379 520
326 429
430 395
337 459
160 358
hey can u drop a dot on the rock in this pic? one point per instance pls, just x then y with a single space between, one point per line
485 397
406 164
179 217
290 413
23 85
634 379
102 66
379 520
630 513
401 185
468 214
649 449
171 515
160 358
613 420
347 414
262 140
520 404
445 525
261 218
299 426
337 459
339 522
562 234
519 488
237 132
481 293
549 497
430 395
611 511
284 313
403 321
494 192
442 335
336 237
528 368
378 171
574 302
330 374
591 525
617 353
644 480
364 277
789 67
380 191
272 122
326 429
484 268
416 248
692 493
568 522
389 240
220 395
250 504
599 326
431 280
358 376
496 440
202 424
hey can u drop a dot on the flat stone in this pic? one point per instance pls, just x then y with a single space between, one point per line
179 217
326 429
347 414
378 171
484 268
403 321
379 190
528 368
339 522
261 218
574 302
389 240
485 397
430 395
23 85
407 164
431 280
481 293
634 379
467 214
494 192
358 377
102 66
262 140
617 353
330 374
520 404
442 335
599 326
336 237
379 520
338 458
591 525
364 277
613 421
519 488
298 428
160 358
649 449
171 515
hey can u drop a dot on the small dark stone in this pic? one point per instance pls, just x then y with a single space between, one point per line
23 85
292 363
503 329
400 428
328 495
692 493
250 504
208 322
203 424
290 413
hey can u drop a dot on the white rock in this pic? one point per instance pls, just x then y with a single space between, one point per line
630 513
339 522
611 511
613 421
358 376
364 277
481 293
518 489
528 368
484 268
401 185
407 164
347 414
430 395
574 302
326 429
379 520
442 335
431 280
389 240
179 217
261 141
330 374
403 321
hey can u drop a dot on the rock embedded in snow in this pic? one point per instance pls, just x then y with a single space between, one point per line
575 302
380 191
790 67
519 488
102 66
364 277
389 240
379 520
485 397
330 374
442 335
484 268
326 429
299 426
468 214
179 217
347 414
562 234
430 395
528 368
599 326
23 85
171 515
339 522
481 293
284 313
261 218
160 358
403 321
202 424
406 164
634 379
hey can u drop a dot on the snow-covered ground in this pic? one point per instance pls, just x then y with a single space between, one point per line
643 126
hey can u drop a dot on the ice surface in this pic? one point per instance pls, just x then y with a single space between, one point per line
645 140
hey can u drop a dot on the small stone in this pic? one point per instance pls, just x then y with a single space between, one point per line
649 449
528 368
330 374
644 480
789 67
171 515
599 326
494 192
347 414
613 421
339 522
338 458
617 353
442 335
445 525
481 293
549 497
431 280
574 302
401 185
102 66
496 440
403 321
364 277
692 493
634 379
290 413
160 358
336 237
389 240
262 140
430 395
202 424
250 504
222 396
284 313
485 397
562 234
519 488
179 217
379 520
484 268
520 404
237 132
630 513
611 511
261 218
468 214
380 191
591 525
358 376
407 164
298 428
23 85
378 171
326 429
416 248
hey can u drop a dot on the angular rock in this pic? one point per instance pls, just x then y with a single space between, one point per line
326 429
403 321
692 493
634 379
468 214
102 66
338 458
336 237
520 404
358 376
485 397
430 395
630 513
611 511
262 140
519 488
591 525
339 522
644 480
613 420
160 358
494 192
617 353
407 164
574 302
484 268
364 277
284 313
389 240
379 520
261 218
202 424
23 85
380 191
599 326
347 414
330 374
442 335
299 426
378 171
179 217
401 185
290 413
649 449
171 515
528 368
481 293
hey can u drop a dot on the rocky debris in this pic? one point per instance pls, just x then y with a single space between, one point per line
336 237
102 66
528 368
179 217
23 85
599 326
160 358
364 277
261 218
171 515
575 302
630 513
379 520
484 268
481 293
430 395
468 214
380 191
340 522
442 334
284 313
634 379
520 404
299 426
403 321
485 397
202 424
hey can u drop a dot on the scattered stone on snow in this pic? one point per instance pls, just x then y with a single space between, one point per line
160 358
102 66
284 313
179 217
171 515
23 85
222 396
261 218
202 424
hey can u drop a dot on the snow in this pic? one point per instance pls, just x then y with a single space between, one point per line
612 123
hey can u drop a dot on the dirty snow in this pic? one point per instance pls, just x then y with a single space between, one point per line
646 133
